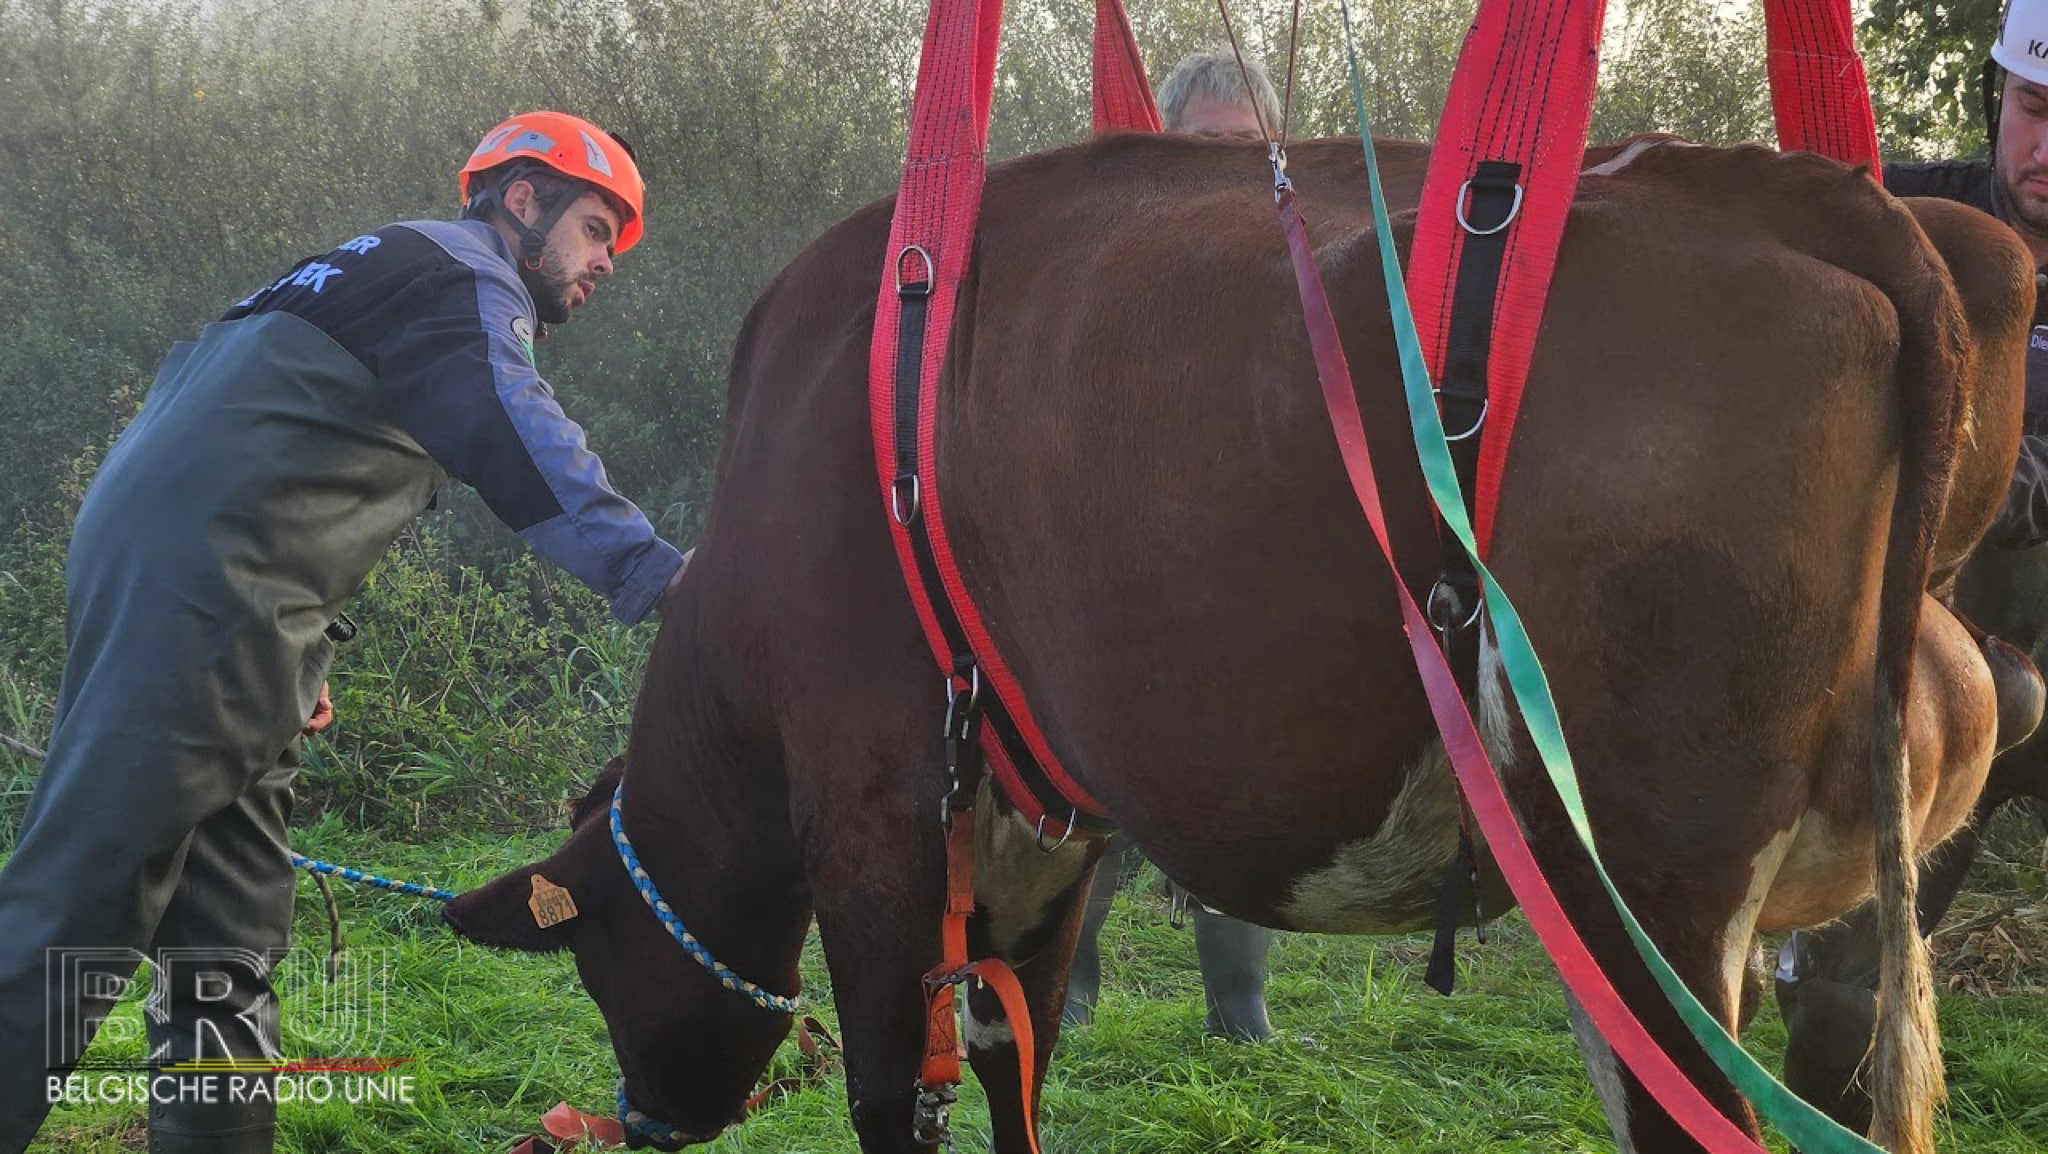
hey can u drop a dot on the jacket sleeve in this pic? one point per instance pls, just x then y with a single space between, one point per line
459 377
2022 521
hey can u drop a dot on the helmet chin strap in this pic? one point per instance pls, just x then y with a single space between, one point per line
533 239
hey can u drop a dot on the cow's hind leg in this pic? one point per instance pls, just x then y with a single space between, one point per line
1640 1125
1698 898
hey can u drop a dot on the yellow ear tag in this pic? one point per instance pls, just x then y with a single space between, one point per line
550 903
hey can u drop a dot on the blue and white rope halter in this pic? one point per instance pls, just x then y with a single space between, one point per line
347 874
676 930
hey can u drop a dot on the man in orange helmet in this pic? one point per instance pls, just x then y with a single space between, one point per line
276 459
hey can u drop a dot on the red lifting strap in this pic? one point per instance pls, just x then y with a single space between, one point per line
1522 95
930 242
1122 98
1819 92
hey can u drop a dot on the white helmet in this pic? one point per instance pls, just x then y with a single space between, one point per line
2022 47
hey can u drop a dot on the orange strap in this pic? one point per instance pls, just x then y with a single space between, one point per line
942 1048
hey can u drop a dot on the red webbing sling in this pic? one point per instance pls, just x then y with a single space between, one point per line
1522 95
1820 95
931 241
1121 97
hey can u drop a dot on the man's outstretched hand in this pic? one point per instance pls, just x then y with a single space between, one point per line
323 714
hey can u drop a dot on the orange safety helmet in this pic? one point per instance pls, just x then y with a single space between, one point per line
574 147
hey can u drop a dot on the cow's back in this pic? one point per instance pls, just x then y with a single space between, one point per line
1144 496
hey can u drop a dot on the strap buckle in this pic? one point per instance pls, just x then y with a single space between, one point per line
906 493
1478 422
1073 819
342 629
933 1123
1277 157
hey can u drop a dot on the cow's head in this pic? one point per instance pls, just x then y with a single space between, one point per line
689 1050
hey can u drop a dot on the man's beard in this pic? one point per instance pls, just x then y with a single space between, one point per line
550 291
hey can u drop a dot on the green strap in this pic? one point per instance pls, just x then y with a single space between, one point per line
1813 1131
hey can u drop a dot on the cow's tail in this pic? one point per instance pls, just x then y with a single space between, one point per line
1906 1073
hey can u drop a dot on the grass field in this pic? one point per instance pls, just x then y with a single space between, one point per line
1367 1059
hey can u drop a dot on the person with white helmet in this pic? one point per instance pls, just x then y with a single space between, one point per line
2013 186
275 461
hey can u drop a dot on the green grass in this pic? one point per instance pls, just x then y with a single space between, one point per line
1367 1059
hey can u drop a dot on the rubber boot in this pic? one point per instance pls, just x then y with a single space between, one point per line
1233 957
1084 978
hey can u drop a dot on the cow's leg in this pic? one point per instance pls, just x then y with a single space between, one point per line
875 853
1714 965
1031 906
1697 897
1827 983
1233 959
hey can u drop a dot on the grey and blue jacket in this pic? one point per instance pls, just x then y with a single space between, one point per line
436 313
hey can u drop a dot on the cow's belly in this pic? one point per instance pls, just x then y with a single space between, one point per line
1952 724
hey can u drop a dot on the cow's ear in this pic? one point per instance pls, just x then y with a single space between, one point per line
537 907
599 795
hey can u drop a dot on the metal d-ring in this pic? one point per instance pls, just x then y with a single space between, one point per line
905 511
930 271
1514 210
1478 422
1073 819
1439 620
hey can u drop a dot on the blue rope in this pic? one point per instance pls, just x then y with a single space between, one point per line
347 874
676 930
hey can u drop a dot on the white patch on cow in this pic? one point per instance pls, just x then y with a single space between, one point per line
1741 929
1014 880
1388 882
1496 723
986 1035
1628 155
1605 1071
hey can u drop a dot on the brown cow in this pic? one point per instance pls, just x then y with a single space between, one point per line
1744 357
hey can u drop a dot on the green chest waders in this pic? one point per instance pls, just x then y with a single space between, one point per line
224 532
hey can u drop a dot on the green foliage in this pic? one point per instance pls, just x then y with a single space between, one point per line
469 702
1925 64
1694 67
